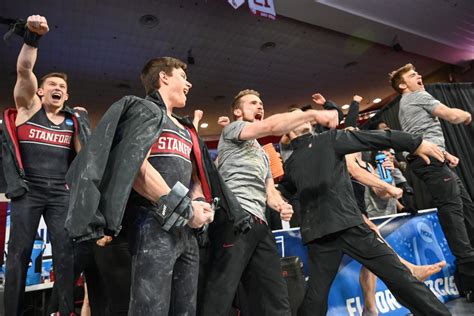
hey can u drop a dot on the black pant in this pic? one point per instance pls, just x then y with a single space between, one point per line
84 262
252 258
165 267
455 210
49 198
114 263
362 244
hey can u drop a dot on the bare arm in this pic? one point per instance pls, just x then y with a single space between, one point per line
197 118
452 115
26 84
276 202
196 189
77 144
149 183
381 188
283 123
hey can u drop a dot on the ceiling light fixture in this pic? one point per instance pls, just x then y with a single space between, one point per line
377 100
345 106
267 46
149 21
204 125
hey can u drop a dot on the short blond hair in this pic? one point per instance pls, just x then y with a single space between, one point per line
396 76
240 95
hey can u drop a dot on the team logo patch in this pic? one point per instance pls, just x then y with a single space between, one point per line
69 122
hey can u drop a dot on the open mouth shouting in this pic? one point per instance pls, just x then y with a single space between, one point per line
56 95
259 116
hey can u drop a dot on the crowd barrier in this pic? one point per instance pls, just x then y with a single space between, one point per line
418 239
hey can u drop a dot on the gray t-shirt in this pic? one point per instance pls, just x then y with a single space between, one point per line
244 166
285 151
379 207
416 118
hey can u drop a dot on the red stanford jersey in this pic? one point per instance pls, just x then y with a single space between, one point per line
46 148
171 154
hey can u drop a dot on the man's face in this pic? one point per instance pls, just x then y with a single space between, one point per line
388 154
303 129
53 92
178 87
250 109
412 82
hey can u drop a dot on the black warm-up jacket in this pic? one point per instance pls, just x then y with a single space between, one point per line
317 172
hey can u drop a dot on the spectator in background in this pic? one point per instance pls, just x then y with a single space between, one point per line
378 203
407 199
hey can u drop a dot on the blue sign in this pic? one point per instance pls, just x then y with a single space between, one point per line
41 255
417 239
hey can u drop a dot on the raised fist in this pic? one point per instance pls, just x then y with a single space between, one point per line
318 99
37 24
198 114
223 121
357 98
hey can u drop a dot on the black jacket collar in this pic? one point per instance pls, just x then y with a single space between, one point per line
156 98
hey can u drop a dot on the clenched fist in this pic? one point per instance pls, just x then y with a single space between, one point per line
37 24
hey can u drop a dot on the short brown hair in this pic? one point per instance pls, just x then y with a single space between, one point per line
61 75
236 102
396 76
151 72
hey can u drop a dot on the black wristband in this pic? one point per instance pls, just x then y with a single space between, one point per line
31 38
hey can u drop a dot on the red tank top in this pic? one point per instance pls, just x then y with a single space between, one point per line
46 148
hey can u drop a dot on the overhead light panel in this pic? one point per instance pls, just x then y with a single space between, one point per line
377 100
345 106
204 125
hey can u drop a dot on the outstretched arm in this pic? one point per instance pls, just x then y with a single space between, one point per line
283 123
347 142
452 115
383 189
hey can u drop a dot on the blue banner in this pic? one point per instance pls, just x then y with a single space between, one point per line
42 247
417 239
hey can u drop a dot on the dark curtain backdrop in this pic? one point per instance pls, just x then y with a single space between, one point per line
459 138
